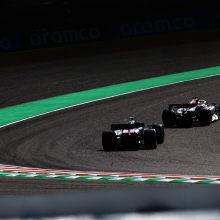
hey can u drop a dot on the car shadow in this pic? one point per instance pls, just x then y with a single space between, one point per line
184 126
122 150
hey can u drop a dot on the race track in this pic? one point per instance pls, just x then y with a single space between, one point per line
71 139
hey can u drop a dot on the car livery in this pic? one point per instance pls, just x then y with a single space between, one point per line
132 135
196 112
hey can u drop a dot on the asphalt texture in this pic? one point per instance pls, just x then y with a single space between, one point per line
71 139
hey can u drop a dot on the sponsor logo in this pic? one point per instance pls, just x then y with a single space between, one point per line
157 26
9 43
64 36
5 43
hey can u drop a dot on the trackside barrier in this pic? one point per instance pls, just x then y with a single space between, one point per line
126 29
10 43
67 36
157 26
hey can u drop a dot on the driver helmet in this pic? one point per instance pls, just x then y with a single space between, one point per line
131 121
195 100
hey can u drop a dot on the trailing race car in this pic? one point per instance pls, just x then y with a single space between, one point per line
132 135
197 112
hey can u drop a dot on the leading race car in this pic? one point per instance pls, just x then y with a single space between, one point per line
196 112
132 135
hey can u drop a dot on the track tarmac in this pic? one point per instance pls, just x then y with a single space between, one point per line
71 139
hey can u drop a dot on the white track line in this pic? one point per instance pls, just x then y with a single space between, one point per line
60 109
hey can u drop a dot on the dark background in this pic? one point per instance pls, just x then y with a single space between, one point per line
29 15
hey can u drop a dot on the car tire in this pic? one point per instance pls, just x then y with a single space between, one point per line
218 111
204 116
168 118
108 140
150 139
159 132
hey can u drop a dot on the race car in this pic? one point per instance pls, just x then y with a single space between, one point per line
196 112
132 135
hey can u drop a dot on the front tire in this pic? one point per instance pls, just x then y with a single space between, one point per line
108 140
150 139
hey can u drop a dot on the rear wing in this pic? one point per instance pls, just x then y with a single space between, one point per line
187 105
126 126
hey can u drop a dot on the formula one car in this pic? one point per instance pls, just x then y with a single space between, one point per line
132 135
197 112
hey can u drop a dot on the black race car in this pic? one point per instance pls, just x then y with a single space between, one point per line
132 135
196 112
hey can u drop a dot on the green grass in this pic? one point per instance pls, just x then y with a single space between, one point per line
27 110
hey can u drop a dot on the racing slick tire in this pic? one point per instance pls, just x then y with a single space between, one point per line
168 118
150 139
204 116
159 132
108 140
218 111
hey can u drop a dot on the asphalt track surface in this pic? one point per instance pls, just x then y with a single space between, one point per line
71 139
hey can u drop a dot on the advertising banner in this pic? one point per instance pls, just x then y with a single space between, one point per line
9 43
138 28
59 37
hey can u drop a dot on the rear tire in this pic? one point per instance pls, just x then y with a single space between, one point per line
160 133
150 139
218 111
168 118
108 140
204 116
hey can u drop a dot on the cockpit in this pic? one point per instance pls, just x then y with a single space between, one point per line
201 102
